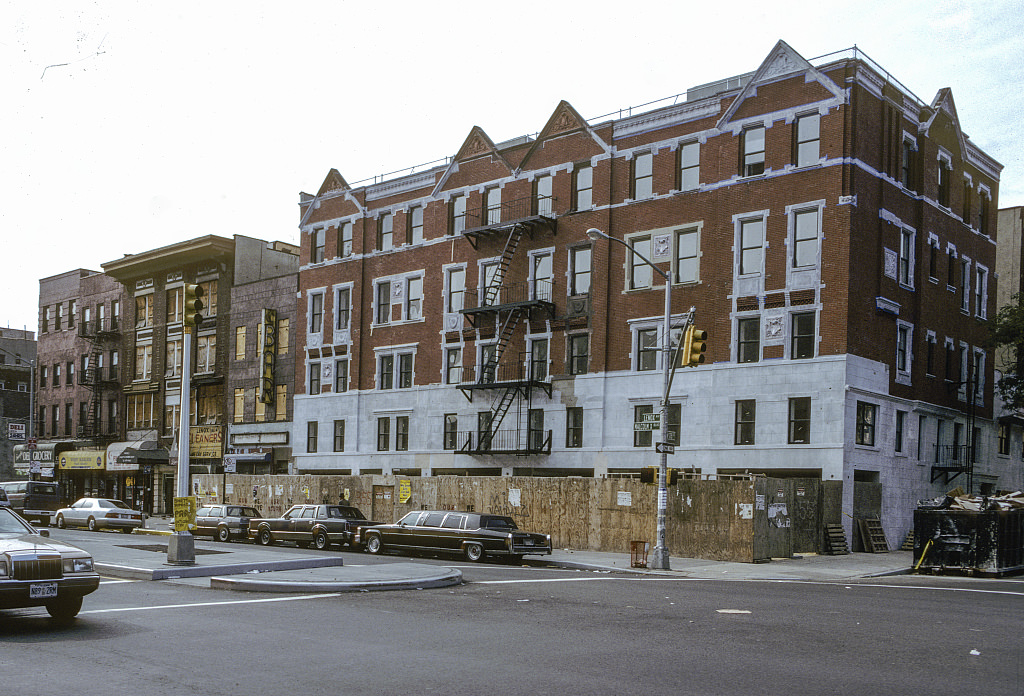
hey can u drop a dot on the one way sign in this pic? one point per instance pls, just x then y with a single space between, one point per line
664 448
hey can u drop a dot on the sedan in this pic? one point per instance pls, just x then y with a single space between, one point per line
470 534
100 513
38 572
224 522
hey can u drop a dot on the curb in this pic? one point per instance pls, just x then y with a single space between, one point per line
446 579
175 572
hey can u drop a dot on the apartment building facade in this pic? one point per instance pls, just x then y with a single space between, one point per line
834 232
17 372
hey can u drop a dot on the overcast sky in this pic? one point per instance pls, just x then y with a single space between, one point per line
129 126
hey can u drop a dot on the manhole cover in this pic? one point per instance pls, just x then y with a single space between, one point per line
162 548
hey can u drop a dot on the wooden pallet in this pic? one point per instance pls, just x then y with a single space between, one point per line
872 536
835 540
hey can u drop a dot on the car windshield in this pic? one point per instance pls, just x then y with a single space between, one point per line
106 503
499 523
10 523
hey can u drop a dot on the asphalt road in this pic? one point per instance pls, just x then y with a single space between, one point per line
531 630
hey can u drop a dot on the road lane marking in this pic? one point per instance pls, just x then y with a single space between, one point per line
210 604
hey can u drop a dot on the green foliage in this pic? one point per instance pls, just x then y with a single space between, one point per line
1006 337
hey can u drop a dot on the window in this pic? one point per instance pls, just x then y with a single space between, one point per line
316 313
114 355
906 261
687 249
535 429
56 325
115 314
453 365
172 413
415 222
143 362
457 215
140 411
44 326
174 305
386 372
574 426
385 232
69 378
492 201
339 436
317 244
981 292
900 431
312 428
281 402
542 189
451 431
907 164
965 285
1004 438
748 345
401 433
951 362
951 266
647 349
643 176
68 410
689 166
456 288
483 430
343 308
340 375
751 245
803 336
903 332
745 417
800 420
643 416
239 343
206 407
542 276
640 273
414 298
209 298
933 259
808 129
805 238
405 370
238 414
43 383
488 364
383 302
260 408
490 288
282 336
752 152
314 378
984 212
206 353
383 434
968 195
345 239
539 359
143 312
580 270
579 353
930 354
944 175
583 186
173 357
56 372
865 423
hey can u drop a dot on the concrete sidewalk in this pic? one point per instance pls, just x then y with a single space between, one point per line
242 566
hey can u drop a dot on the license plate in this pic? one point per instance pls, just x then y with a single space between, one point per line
41 590
529 542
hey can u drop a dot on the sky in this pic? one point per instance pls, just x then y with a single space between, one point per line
127 126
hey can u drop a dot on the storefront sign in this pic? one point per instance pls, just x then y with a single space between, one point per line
16 432
82 460
268 355
206 442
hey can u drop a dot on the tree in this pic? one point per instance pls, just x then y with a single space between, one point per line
1006 338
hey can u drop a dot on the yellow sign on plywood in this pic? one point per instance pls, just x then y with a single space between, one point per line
185 514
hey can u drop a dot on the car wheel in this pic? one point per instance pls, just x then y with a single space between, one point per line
61 524
264 537
474 552
126 530
223 534
91 524
373 544
64 610
320 541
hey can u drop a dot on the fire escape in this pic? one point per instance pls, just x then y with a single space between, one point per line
103 336
506 377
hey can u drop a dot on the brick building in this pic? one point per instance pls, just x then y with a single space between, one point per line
834 232
17 368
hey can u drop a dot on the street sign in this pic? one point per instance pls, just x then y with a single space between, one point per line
664 448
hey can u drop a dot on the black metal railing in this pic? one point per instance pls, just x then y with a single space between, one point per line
537 291
511 211
503 442
97 327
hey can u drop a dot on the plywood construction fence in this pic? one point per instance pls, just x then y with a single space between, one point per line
713 519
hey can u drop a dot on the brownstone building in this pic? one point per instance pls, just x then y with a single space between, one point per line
834 232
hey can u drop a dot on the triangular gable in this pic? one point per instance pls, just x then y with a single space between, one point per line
565 120
334 181
476 146
944 104
782 62
334 186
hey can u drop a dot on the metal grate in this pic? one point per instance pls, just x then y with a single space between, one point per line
37 568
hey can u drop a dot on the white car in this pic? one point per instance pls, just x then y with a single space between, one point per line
100 513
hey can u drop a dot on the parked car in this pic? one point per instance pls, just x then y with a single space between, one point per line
224 522
33 500
38 572
316 525
100 513
471 534
4 502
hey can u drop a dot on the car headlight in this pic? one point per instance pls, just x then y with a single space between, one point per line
3 568
77 565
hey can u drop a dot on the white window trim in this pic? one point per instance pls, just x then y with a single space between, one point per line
533 254
627 267
674 264
981 292
342 335
966 271
322 291
791 213
979 387
737 221
399 295
903 374
911 261
394 351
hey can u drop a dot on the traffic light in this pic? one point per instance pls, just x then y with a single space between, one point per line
694 345
193 304
649 474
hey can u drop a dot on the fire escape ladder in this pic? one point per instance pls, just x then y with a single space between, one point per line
91 379
493 290
498 412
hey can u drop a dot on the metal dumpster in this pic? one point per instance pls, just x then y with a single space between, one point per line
983 543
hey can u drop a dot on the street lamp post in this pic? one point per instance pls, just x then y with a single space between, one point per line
660 556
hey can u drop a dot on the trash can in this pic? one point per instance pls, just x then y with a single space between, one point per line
638 554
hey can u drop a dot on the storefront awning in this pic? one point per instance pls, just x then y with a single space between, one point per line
126 456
